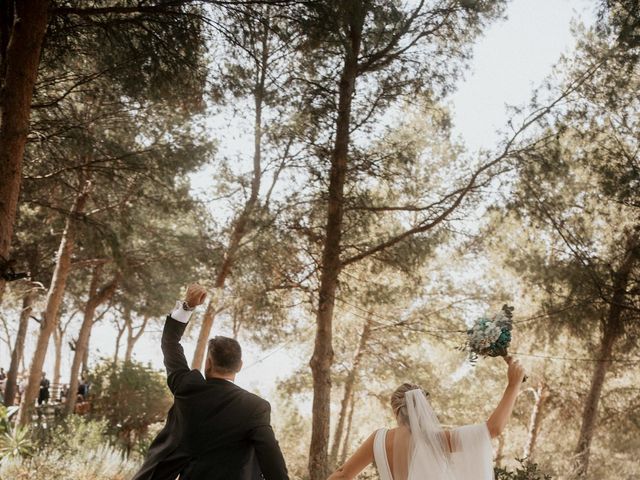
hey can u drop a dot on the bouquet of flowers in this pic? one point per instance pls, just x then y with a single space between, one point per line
490 337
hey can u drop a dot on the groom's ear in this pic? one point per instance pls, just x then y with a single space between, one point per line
240 367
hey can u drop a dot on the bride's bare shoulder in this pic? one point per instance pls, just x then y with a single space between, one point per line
391 432
389 439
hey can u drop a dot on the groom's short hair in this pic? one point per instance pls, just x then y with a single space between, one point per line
225 354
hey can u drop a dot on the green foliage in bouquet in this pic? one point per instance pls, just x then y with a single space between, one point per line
525 471
490 337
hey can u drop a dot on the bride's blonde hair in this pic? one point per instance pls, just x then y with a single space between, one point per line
399 404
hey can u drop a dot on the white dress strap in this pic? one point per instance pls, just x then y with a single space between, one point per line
380 455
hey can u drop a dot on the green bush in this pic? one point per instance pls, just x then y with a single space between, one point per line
75 448
14 441
76 433
525 471
129 397
143 443
102 463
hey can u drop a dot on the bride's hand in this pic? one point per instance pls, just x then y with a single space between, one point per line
515 372
500 416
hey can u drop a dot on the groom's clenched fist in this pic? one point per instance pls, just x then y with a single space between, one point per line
195 295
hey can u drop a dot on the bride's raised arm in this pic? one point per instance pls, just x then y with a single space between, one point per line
356 462
500 416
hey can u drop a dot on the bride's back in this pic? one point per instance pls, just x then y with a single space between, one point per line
391 453
419 448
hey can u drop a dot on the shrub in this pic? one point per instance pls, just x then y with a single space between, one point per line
130 397
525 471
76 433
16 442
102 463
75 448
144 442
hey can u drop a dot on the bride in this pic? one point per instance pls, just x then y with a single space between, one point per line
420 449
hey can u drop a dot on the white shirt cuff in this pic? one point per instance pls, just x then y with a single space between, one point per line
179 314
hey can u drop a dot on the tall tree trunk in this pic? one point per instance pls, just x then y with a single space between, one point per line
54 300
118 338
85 358
345 443
22 37
128 323
128 352
236 325
96 298
613 329
348 388
131 337
540 394
590 411
241 223
11 388
322 357
58 337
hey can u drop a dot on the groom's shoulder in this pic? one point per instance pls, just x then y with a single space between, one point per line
255 400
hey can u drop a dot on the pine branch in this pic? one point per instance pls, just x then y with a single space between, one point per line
471 183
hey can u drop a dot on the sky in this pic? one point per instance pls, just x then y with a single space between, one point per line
509 61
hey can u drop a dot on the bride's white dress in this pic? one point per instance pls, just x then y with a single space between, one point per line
421 450
380 455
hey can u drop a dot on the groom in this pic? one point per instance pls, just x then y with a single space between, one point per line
215 430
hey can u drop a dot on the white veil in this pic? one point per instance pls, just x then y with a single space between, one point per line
424 450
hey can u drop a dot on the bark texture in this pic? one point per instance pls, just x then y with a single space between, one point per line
613 328
322 357
11 387
241 224
97 296
22 34
345 442
133 336
540 395
53 302
349 384
58 337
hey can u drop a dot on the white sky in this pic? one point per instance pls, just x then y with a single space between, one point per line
511 59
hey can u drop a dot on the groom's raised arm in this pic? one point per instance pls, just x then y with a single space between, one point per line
175 324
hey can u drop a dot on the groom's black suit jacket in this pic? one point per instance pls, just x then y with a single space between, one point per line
215 430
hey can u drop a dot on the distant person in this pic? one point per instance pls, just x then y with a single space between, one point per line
3 376
64 393
215 430
43 396
83 388
82 406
